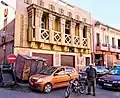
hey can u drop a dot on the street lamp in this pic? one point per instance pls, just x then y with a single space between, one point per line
4 3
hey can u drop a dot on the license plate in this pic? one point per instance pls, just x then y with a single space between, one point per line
107 84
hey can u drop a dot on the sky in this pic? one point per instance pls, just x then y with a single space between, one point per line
106 11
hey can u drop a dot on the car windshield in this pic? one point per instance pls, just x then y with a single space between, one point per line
115 71
48 70
100 67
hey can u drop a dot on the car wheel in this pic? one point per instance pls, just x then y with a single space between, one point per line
47 88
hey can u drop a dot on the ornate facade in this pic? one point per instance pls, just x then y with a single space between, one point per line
56 28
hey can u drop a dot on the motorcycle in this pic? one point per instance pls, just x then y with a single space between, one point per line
76 86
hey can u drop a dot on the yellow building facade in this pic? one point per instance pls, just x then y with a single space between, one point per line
54 30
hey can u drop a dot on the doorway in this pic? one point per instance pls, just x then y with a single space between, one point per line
87 61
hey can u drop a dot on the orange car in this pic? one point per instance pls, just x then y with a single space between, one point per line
52 77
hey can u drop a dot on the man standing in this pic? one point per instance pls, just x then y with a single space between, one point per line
91 79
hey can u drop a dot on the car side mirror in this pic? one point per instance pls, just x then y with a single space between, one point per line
56 74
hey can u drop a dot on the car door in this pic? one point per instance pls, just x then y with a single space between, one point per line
72 72
60 78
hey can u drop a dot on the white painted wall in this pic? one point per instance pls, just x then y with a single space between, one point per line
11 12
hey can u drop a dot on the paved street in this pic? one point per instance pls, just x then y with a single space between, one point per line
59 93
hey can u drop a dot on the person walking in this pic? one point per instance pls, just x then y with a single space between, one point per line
91 79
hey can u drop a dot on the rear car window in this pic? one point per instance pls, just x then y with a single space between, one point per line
69 70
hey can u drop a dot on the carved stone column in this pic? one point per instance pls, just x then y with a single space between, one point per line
31 25
89 36
72 32
81 34
63 30
51 27
38 20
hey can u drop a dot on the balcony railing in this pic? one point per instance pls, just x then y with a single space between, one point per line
113 46
77 40
104 44
85 42
68 39
45 34
100 46
57 37
118 49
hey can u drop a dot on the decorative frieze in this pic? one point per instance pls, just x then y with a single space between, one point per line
21 29
77 17
51 7
41 3
69 14
61 11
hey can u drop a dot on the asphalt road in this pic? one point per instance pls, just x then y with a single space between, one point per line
57 93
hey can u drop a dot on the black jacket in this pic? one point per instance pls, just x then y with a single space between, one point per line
91 73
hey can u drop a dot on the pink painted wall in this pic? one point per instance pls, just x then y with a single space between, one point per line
9 41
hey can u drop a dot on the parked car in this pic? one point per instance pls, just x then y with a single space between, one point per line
52 77
101 70
111 80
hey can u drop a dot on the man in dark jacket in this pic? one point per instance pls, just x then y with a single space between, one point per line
91 79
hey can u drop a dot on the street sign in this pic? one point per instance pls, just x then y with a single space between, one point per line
11 58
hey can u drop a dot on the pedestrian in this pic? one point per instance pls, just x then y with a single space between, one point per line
91 79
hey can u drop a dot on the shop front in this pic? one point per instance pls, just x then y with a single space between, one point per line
99 58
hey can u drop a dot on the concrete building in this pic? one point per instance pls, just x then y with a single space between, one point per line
106 44
53 29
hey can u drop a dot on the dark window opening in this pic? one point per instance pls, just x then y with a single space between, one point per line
98 39
119 43
34 23
87 59
85 32
67 27
113 42
45 21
